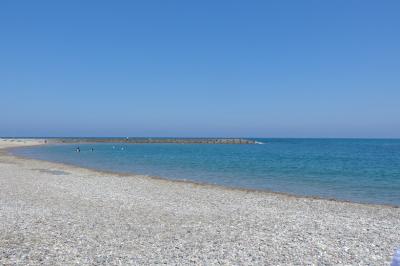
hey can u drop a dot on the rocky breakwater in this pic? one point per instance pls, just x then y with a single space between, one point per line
157 140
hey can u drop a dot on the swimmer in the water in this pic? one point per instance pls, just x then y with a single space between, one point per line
78 149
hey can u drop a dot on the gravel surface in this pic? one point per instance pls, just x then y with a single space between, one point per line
54 214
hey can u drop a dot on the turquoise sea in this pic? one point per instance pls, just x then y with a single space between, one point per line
360 170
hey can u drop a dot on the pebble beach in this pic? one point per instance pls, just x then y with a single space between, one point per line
57 214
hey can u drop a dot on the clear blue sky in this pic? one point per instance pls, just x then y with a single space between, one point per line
200 68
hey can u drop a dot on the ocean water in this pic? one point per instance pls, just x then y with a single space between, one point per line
347 169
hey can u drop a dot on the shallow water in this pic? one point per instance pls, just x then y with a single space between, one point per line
348 169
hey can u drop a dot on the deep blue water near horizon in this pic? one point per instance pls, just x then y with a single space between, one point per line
359 170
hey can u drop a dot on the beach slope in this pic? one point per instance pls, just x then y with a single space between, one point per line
56 214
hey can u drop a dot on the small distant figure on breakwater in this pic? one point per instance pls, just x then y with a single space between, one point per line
78 149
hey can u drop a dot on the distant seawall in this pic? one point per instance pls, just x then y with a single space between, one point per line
155 140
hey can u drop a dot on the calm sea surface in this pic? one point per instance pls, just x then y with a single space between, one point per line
350 169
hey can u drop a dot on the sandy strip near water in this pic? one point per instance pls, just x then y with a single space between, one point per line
54 214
